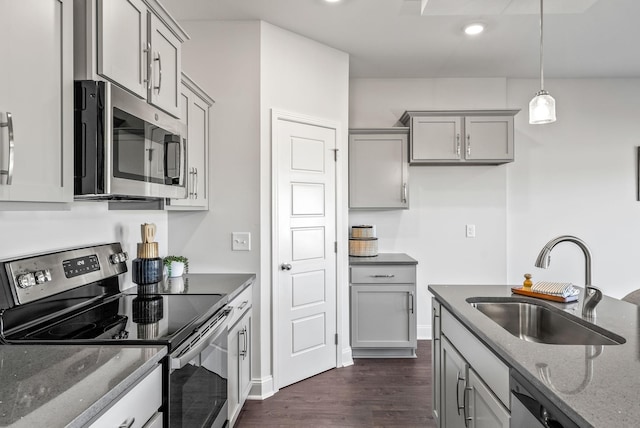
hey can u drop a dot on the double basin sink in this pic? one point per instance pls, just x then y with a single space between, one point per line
533 322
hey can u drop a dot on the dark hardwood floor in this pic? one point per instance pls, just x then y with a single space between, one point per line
371 393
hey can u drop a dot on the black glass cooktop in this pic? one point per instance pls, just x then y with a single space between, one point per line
146 318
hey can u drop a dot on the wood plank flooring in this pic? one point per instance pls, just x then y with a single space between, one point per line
371 393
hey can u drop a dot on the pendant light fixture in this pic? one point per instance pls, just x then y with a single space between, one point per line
542 108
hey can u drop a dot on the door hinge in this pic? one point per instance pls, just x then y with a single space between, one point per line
335 247
335 154
336 338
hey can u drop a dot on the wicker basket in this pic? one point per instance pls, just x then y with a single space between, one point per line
363 247
363 231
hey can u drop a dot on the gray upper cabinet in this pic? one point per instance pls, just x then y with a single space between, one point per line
378 168
195 107
135 44
458 137
36 101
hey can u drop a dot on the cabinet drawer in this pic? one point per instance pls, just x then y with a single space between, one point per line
489 367
383 274
140 403
240 305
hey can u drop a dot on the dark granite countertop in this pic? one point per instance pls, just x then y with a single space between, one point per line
229 284
593 385
67 385
383 259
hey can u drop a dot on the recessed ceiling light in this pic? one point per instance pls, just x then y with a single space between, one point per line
332 1
473 29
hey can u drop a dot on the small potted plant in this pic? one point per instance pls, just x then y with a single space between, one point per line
176 265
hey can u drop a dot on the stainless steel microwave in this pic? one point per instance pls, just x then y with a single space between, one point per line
124 148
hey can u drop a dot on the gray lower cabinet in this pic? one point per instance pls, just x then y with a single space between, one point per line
383 316
436 345
239 361
137 407
474 384
378 168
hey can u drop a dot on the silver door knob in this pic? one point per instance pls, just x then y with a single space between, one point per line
285 266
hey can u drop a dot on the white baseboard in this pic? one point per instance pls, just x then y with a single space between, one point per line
347 357
424 332
261 389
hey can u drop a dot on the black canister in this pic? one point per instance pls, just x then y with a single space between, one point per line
146 271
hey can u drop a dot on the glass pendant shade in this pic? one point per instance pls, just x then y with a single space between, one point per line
542 108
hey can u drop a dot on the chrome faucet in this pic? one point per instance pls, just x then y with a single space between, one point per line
592 295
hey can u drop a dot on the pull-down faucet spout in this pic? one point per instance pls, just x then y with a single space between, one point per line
592 295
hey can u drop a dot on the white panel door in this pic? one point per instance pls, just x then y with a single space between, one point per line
306 260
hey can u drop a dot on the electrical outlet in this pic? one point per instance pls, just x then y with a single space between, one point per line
471 231
240 241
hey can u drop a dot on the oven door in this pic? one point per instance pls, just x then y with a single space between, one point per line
198 377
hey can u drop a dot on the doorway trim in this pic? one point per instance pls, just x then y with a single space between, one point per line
343 357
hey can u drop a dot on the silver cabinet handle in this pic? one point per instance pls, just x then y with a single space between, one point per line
404 193
159 59
458 392
241 306
242 352
9 171
458 145
192 182
411 307
467 418
246 343
468 144
195 183
285 266
128 423
383 276
149 65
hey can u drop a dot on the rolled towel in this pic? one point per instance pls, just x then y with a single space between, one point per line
563 289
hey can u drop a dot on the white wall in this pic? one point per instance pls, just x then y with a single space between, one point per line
576 176
442 199
248 68
85 223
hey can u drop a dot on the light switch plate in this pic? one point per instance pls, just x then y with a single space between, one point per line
241 241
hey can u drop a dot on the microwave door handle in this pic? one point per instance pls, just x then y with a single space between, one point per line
179 360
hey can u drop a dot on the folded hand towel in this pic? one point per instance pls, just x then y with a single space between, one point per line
564 289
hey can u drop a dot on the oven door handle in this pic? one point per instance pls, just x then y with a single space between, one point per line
189 351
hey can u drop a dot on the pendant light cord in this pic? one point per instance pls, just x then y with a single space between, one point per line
541 49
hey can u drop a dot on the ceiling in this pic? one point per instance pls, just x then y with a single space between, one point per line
423 38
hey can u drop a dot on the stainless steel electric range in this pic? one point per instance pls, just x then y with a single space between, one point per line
73 297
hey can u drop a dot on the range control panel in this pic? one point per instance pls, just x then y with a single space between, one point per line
41 276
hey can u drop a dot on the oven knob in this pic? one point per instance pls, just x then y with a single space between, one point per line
43 276
26 280
124 256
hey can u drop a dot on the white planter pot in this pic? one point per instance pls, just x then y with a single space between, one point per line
176 269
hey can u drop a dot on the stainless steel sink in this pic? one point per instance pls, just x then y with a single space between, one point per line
533 322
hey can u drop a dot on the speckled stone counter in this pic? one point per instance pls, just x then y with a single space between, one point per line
594 385
58 386
228 284
384 259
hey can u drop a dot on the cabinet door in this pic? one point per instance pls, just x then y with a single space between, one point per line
245 358
123 44
454 379
233 386
378 171
165 56
36 100
435 360
485 410
383 316
437 138
488 138
195 113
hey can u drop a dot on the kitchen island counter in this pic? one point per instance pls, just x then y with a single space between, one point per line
67 385
592 385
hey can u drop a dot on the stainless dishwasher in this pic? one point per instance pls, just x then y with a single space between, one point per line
531 409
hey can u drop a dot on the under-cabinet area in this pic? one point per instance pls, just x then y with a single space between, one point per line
383 306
